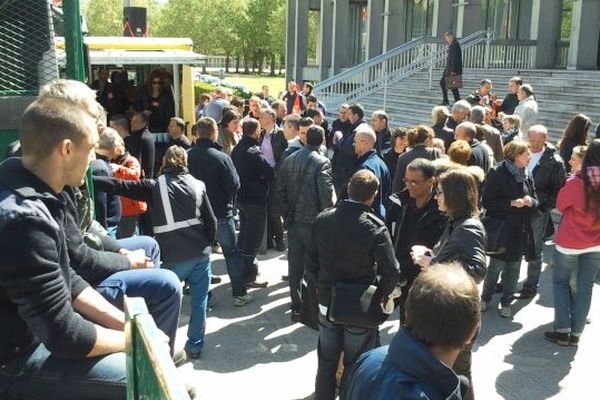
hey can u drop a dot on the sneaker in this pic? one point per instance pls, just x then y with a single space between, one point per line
217 249
240 301
257 284
574 341
484 306
505 312
295 316
193 355
279 245
179 358
215 279
563 339
527 293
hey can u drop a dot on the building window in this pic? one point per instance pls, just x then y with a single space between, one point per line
508 19
419 18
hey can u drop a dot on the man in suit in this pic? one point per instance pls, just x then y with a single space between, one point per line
453 66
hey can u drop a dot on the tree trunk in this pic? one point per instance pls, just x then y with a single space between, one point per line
272 73
237 64
227 56
246 70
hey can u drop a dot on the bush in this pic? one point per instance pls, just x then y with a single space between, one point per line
204 87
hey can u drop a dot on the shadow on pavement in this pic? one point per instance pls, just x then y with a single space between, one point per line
538 367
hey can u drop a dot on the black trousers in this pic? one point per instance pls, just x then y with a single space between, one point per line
274 222
252 225
445 90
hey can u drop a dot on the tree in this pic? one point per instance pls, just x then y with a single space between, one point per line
104 17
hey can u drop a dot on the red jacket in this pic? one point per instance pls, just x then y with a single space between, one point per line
128 168
578 228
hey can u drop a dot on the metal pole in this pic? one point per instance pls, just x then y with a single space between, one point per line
73 40
75 63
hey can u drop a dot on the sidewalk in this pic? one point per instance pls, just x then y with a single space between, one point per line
255 353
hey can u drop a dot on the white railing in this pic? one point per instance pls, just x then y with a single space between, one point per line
562 58
378 73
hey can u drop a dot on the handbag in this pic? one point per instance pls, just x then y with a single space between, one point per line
497 237
454 81
356 304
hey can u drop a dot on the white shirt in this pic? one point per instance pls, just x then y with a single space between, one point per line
535 159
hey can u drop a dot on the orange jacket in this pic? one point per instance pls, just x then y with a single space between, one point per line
128 168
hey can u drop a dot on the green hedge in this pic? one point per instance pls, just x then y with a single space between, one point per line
204 87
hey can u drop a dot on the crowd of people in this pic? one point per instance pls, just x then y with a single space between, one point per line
410 218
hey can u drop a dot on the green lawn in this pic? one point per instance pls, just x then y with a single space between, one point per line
255 82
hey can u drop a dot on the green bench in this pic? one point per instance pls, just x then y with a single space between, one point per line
151 374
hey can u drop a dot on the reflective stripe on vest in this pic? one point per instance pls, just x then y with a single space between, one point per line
171 225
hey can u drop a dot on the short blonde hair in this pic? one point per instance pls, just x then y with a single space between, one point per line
514 149
439 114
514 120
460 152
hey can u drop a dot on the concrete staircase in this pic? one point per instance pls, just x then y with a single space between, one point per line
560 94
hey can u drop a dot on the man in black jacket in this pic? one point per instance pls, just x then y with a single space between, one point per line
453 66
511 101
53 323
342 125
305 188
549 174
140 144
273 144
414 219
479 155
349 244
255 175
344 158
208 163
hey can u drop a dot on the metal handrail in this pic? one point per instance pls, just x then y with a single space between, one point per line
373 61
381 71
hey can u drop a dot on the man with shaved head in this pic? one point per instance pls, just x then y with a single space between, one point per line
364 148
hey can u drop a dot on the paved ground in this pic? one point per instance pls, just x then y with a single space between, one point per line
256 353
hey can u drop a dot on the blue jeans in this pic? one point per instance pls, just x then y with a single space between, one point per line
299 235
333 339
160 289
36 374
197 273
227 239
539 219
510 278
148 243
571 309
253 218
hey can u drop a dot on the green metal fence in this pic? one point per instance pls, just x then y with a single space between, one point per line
27 51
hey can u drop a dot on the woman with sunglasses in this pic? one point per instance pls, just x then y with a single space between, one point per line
157 97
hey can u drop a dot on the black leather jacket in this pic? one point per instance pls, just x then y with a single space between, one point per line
463 241
304 185
351 244
549 176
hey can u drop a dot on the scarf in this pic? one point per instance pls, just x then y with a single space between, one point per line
520 174
593 174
